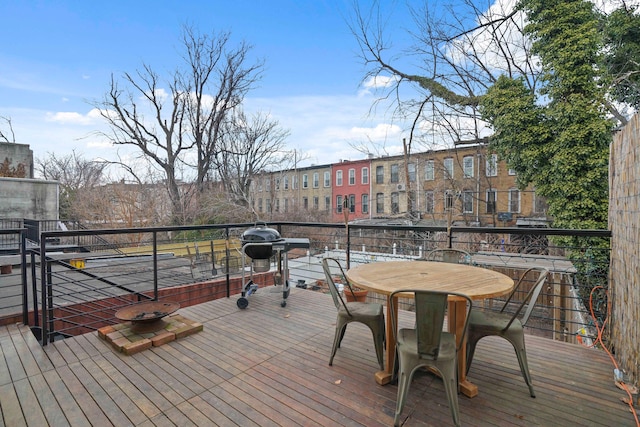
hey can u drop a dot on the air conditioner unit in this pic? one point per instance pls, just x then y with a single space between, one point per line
402 187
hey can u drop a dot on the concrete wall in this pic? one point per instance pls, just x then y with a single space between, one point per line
28 198
17 153
624 222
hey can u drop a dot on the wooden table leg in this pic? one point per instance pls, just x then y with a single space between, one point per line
385 377
457 318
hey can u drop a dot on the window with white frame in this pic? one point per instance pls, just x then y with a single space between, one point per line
512 171
411 168
277 205
449 200
316 202
339 204
429 202
305 203
259 184
429 170
316 180
294 182
365 175
352 177
492 165
352 203
365 203
448 168
339 178
305 181
514 200
286 182
467 166
327 179
467 201
267 184
277 184
327 203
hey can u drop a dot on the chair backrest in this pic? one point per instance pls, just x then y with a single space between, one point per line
430 309
327 264
530 299
450 255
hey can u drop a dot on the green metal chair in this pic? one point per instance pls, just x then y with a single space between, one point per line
450 255
427 346
370 314
508 325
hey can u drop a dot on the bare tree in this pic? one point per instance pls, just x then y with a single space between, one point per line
7 135
77 177
170 123
455 64
248 146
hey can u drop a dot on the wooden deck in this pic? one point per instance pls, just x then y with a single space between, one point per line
267 366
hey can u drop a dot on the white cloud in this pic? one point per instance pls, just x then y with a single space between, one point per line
73 118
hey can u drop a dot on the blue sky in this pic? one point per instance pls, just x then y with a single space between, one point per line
58 56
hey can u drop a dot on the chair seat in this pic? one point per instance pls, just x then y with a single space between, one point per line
362 310
492 321
407 339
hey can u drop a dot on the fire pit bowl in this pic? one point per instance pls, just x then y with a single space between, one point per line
147 317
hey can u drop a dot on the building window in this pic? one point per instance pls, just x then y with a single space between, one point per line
277 205
449 200
448 168
514 200
512 171
412 199
429 171
429 202
395 202
339 204
467 201
379 174
411 167
352 177
305 203
259 184
365 175
327 179
286 182
395 176
540 204
379 203
294 182
267 184
352 203
316 202
260 205
277 184
268 205
316 180
492 165
339 178
365 203
305 181
286 205
491 201
467 166
327 203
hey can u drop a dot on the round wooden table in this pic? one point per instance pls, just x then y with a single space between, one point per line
387 277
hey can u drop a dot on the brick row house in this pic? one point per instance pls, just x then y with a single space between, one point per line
465 185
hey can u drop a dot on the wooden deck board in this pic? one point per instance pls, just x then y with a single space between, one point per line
268 365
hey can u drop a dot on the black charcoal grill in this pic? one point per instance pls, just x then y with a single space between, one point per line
260 244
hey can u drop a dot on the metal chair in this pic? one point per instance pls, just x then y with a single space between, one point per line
450 255
428 346
370 314
507 325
